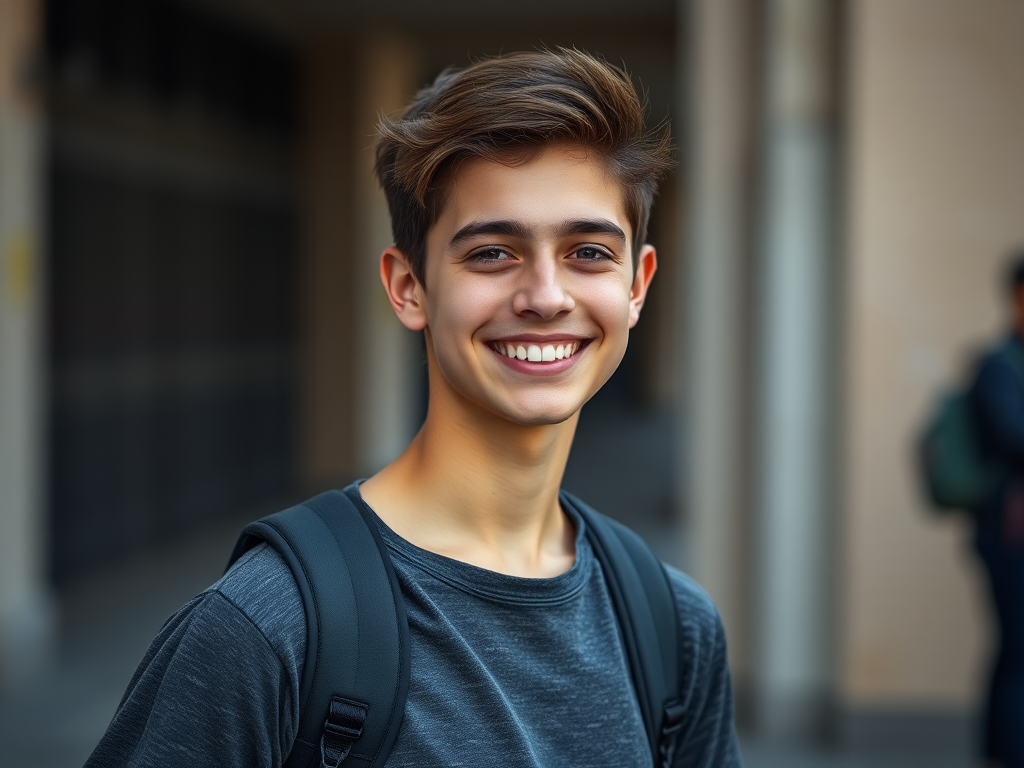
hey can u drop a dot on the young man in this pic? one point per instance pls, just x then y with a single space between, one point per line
519 191
997 400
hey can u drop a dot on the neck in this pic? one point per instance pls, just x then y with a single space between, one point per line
478 488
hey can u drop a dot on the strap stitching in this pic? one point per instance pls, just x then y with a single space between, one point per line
316 607
361 508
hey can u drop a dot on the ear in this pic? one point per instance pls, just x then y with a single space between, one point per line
404 291
647 265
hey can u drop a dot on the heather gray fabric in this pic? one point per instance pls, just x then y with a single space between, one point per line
506 672
219 685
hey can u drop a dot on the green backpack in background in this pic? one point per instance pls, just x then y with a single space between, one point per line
955 472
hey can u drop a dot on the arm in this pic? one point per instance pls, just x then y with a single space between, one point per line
708 737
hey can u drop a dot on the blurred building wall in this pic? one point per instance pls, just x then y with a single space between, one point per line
325 414
716 83
935 201
26 616
758 384
171 204
794 392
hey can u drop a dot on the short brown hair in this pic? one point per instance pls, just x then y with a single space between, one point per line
507 109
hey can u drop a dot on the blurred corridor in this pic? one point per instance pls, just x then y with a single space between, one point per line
192 330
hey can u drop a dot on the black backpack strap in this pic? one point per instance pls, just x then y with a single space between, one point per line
356 673
648 619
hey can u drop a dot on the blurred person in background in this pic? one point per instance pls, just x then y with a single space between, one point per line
997 402
519 190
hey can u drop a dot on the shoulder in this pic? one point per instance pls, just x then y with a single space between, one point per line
253 616
219 684
998 374
707 736
260 586
698 617
699 621
1002 358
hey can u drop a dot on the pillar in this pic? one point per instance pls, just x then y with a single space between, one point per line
26 617
325 301
358 397
794 584
388 361
715 41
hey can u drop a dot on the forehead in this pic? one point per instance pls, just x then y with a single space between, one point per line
558 184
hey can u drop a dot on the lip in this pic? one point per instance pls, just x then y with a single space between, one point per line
542 338
552 368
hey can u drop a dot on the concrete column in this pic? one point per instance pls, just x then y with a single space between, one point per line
715 39
387 359
326 294
26 617
794 590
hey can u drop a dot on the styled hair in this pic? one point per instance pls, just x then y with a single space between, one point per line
507 109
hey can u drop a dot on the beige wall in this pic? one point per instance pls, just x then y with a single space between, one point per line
936 200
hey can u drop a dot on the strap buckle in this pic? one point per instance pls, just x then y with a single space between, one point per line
671 724
344 725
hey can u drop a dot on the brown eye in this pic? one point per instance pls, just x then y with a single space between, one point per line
491 255
590 253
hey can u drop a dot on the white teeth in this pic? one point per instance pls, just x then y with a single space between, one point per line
536 353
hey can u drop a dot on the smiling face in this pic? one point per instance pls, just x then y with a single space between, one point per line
530 287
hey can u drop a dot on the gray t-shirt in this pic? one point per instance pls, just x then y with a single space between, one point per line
506 671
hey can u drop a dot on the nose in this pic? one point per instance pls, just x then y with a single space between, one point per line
542 291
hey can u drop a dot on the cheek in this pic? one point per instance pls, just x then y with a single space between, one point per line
455 315
609 306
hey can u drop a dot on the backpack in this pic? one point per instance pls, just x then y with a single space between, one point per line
956 473
356 674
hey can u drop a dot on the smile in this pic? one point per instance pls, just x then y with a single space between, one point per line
535 353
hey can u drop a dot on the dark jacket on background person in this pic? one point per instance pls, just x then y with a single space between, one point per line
997 400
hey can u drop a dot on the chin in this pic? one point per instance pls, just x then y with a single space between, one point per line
538 416
540 420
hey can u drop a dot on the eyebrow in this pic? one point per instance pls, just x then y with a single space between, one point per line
592 227
507 228
517 229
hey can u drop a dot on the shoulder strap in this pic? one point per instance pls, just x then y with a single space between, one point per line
648 618
356 674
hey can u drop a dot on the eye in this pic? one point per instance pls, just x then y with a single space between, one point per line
490 255
591 253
